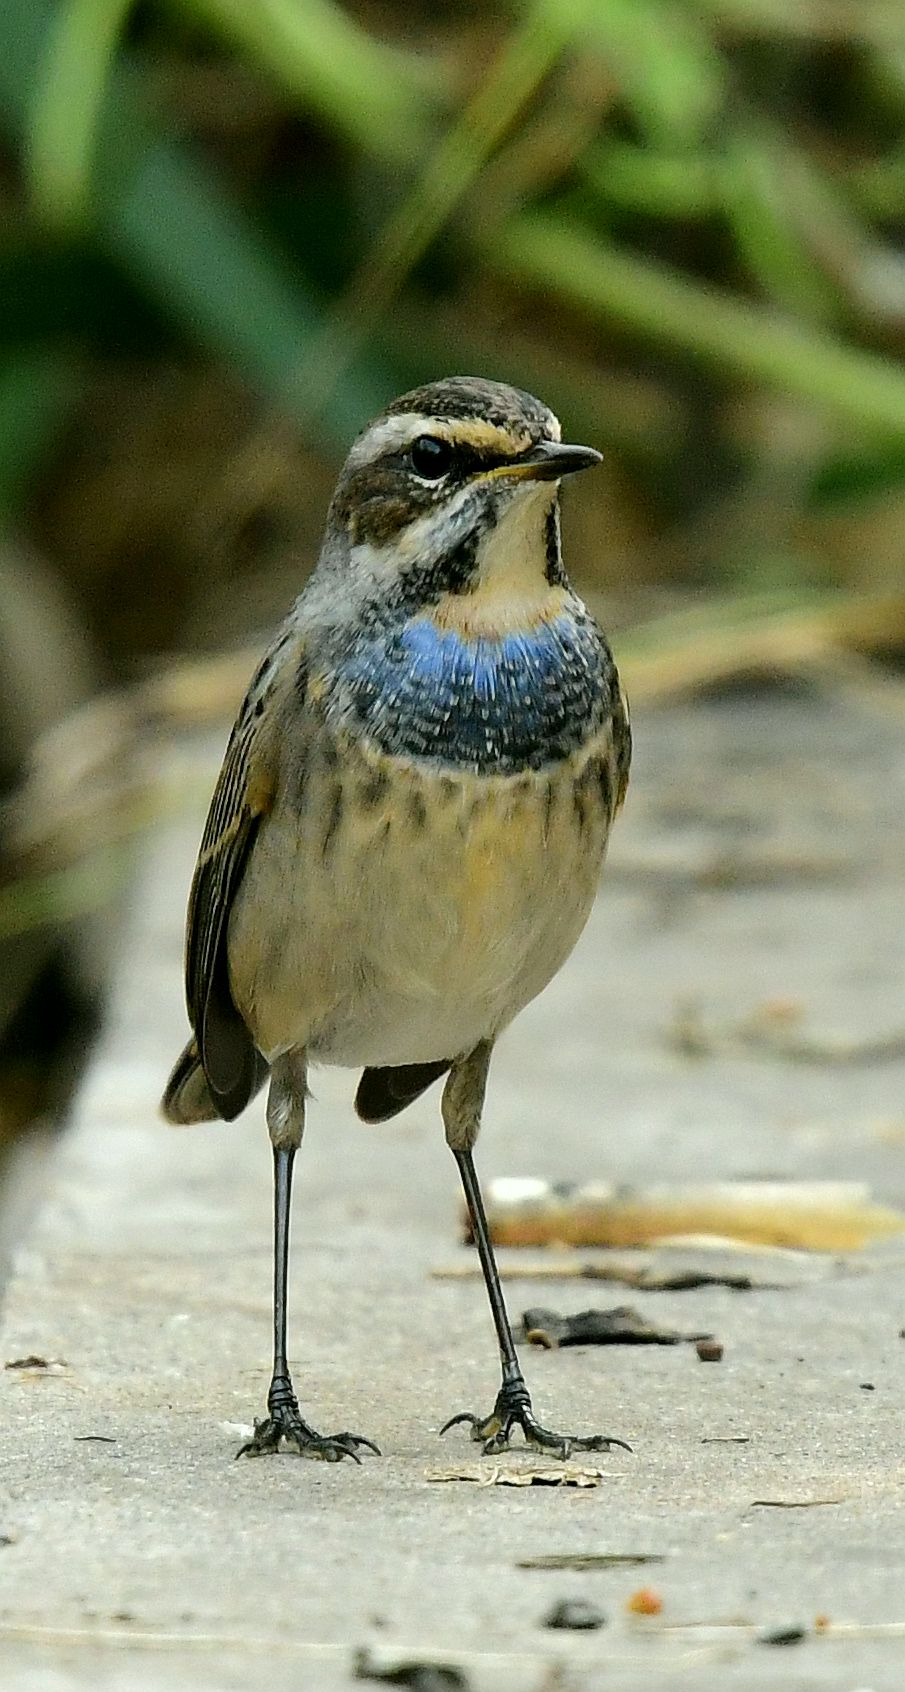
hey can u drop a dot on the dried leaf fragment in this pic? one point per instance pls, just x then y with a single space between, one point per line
794 1503
577 1615
417 1675
783 1636
620 1326
811 1215
34 1365
563 1474
585 1561
643 1277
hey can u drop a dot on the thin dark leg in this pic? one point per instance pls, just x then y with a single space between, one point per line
512 1373
281 1395
513 1402
284 1426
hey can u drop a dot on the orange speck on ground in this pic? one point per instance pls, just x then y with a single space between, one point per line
644 1602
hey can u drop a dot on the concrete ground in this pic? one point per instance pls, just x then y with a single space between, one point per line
760 859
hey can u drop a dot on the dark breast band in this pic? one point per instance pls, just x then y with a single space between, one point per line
494 706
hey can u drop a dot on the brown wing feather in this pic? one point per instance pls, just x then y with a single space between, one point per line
622 744
242 797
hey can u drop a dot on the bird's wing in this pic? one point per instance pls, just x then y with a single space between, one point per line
242 798
622 743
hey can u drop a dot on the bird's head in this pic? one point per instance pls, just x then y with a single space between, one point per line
452 491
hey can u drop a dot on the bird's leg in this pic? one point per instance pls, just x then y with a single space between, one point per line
284 1427
463 1097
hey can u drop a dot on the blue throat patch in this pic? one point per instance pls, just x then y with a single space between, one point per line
516 703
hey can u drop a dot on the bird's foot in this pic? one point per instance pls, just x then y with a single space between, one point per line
285 1429
513 1409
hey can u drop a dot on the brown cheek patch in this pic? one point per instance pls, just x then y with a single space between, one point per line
378 502
380 521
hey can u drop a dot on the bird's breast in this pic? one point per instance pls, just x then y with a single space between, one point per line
493 704
433 850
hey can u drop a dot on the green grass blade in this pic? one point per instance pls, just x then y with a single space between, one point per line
526 58
373 93
664 61
662 185
759 179
875 21
79 48
727 334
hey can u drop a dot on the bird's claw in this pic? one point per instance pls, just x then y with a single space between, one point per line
288 1432
512 1410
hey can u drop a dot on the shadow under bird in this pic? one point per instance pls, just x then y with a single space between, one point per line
405 838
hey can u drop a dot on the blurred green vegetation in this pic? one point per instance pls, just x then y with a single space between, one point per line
230 231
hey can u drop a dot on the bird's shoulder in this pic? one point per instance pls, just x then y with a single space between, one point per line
247 779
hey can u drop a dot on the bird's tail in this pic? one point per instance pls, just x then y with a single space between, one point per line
187 1097
383 1092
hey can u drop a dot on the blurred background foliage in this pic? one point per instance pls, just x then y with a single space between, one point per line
230 230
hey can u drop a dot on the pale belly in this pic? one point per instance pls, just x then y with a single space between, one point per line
413 922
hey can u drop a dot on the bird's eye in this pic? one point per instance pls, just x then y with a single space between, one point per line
431 458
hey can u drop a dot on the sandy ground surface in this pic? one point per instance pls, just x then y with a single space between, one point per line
761 859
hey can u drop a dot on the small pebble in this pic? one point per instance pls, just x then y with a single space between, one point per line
709 1350
575 1613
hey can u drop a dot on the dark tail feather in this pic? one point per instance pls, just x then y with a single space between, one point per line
383 1093
188 1097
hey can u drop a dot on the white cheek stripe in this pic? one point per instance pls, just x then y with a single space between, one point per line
422 542
511 586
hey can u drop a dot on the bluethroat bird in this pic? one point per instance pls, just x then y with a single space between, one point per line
404 842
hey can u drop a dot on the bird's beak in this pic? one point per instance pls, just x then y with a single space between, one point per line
549 460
